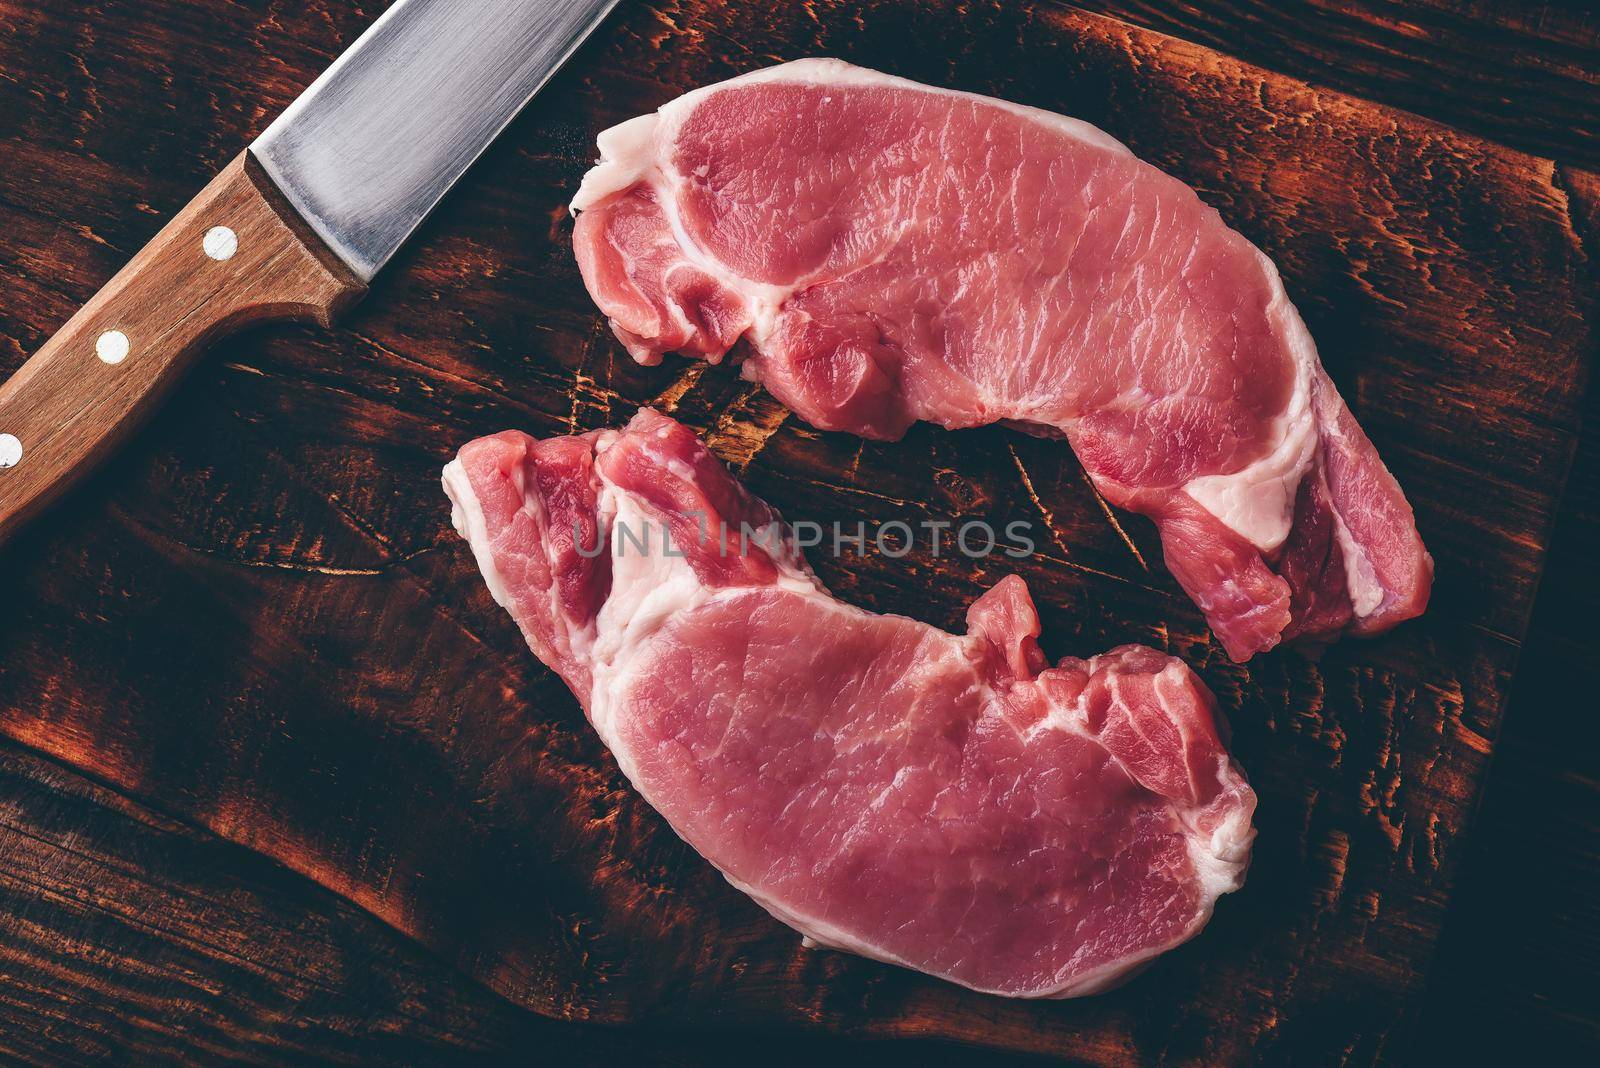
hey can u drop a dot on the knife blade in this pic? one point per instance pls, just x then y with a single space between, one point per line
332 153
293 228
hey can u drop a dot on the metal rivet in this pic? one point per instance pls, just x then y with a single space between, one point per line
112 347
10 451
220 243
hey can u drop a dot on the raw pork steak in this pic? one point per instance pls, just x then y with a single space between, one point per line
895 252
952 804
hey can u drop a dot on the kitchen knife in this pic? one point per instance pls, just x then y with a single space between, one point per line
294 228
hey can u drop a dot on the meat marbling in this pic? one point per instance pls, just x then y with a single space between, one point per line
948 803
894 252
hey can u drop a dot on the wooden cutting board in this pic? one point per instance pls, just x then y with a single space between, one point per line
259 620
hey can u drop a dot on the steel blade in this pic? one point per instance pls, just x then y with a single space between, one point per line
369 149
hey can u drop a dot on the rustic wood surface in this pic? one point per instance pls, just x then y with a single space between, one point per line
1522 74
130 938
1520 953
257 618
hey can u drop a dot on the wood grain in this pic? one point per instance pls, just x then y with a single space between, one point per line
256 965
104 373
261 619
1535 853
1523 75
128 938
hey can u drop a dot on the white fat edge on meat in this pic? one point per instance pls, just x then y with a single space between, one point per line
466 515
1361 578
648 588
628 157
1257 502
1221 858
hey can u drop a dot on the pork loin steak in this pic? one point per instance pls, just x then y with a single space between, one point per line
948 803
895 252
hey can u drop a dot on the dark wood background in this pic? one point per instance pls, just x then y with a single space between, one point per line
280 778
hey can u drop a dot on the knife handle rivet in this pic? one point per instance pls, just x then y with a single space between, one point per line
10 451
220 243
112 347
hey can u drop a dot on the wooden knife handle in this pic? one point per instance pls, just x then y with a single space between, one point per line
237 255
